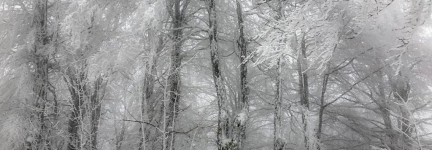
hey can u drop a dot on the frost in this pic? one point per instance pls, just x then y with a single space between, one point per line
128 45
377 148
283 41
12 132
226 141
242 116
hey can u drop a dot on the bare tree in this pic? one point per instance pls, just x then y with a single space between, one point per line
243 103
177 10
41 85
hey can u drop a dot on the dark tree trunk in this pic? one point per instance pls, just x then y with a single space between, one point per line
303 77
41 76
223 121
243 108
77 88
178 13
278 143
95 109
322 106
303 86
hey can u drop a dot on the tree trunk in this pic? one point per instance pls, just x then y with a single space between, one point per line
322 106
147 93
77 88
95 106
243 108
41 76
278 142
178 20
222 133
303 87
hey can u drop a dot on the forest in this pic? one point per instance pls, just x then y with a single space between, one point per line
215 75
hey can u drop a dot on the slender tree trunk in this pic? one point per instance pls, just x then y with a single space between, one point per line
95 106
178 20
174 98
147 93
278 142
222 135
322 106
303 77
243 108
303 87
41 76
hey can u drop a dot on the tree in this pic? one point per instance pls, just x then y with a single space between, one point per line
41 81
222 125
177 11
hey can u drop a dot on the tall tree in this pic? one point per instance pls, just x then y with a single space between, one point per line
303 86
177 10
148 112
41 75
243 103
223 135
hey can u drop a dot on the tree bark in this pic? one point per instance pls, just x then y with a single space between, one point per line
81 94
243 108
177 12
278 142
76 86
322 106
303 87
41 76
76 89
95 106
222 133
